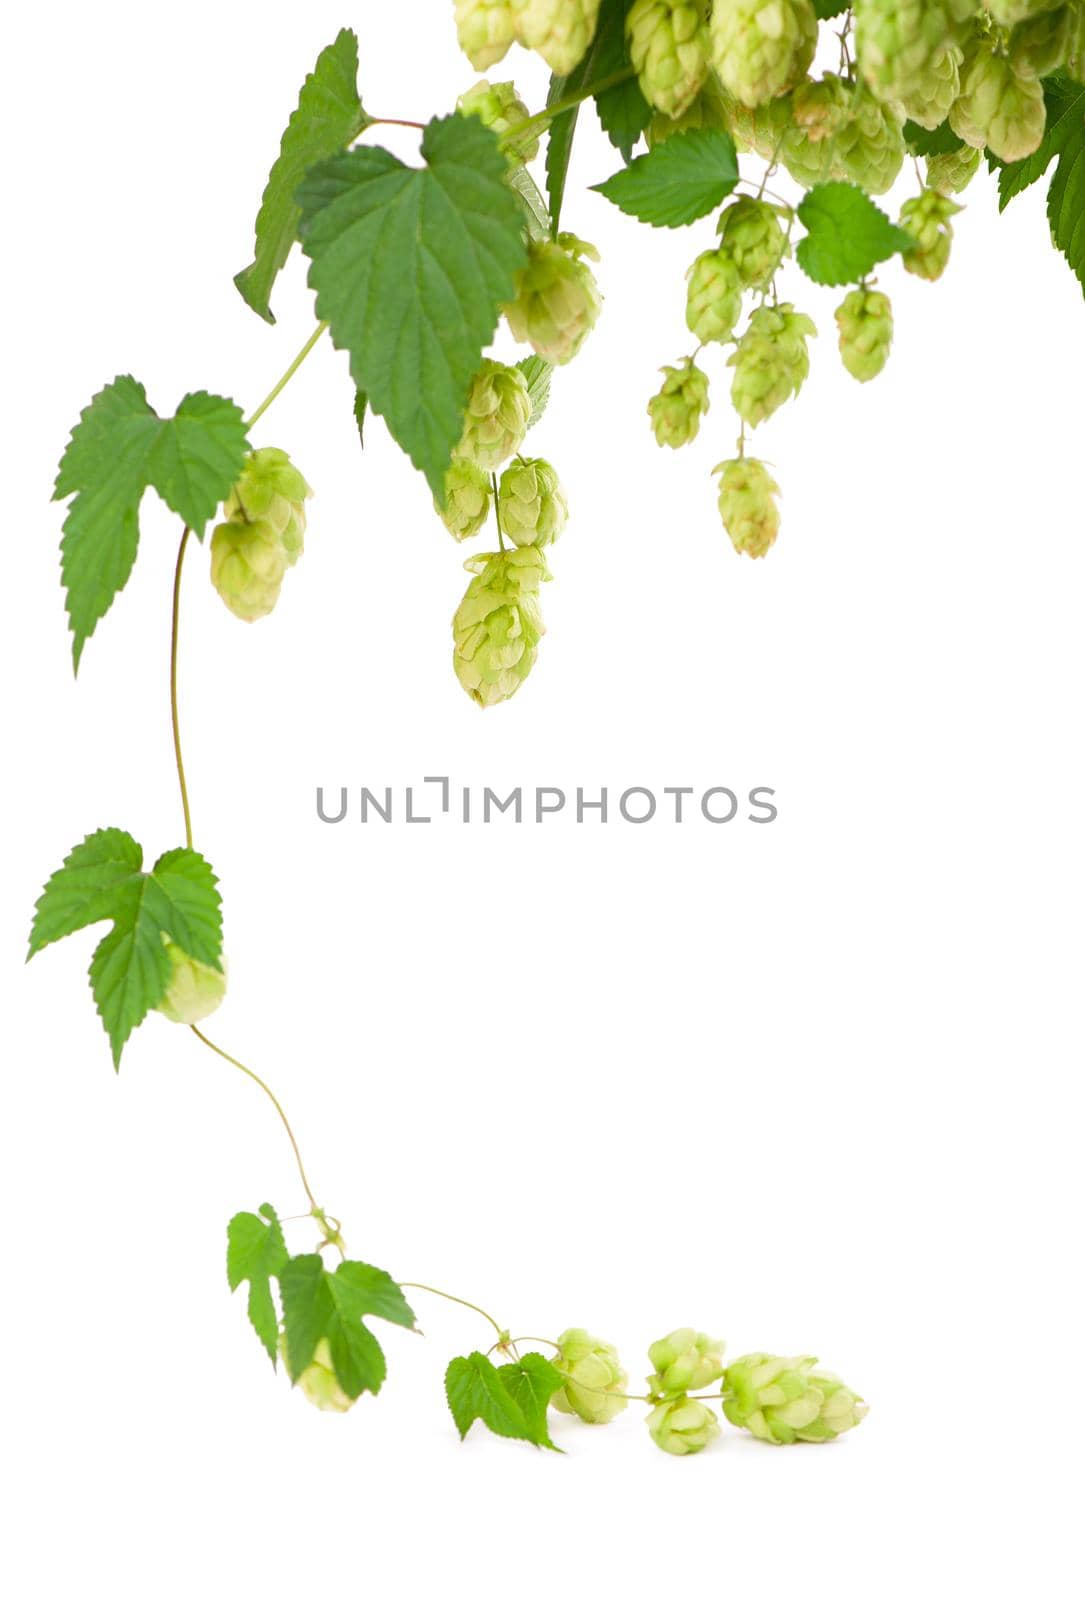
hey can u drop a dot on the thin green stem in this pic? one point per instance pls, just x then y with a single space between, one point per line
395 122
174 632
321 328
543 119
249 1073
456 1299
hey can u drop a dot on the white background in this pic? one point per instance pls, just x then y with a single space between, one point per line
809 1086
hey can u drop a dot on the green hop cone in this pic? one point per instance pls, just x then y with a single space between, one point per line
788 1400
1043 44
1009 12
557 298
684 1360
677 409
953 172
909 53
468 495
194 989
865 323
498 624
318 1383
595 1379
248 564
751 232
668 47
928 219
560 30
498 106
682 1427
713 296
821 106
748 506
271 489
497 416
762 48
771 362
1000 107
708 110
485 29
869 149
1075 54
531 504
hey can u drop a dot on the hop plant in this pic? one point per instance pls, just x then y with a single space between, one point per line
531 503
752 234
821 106
713 296
762 48
272 489
498 106
468 494
677 409
682 1427
952 172
668 47
557 298
865 323
684 1360
318 1383
194 990
909 53
771 362
560 30
786 1400
1041 45
927 219
748 506
999 106
595 1379
497 416
869 148
485 29
708 110
248 564
498 624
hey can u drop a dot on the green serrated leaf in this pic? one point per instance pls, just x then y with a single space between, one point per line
940 141
307 1309
361 406
411 268
530 1382
825 10
537 374
477 1394
256 1253
1066 202
684 178
1065 101
101 880
318 1304
329 116
595 67
847 234
536 216
118 449
365 1291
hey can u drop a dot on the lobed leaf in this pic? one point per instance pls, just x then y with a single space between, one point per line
256 1253
847 234
510 1400
684 178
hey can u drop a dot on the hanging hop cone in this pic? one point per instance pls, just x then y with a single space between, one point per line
557 298
560 30
820 107
485 29
682 1361
713 296
531 504
194 990
497 416
910 53
762 48
771 362
953 172
677 409
707 110
498 106
752 234
865 323
1008 12
682 1427
869 149
271 489
999 107
248 564
1075 54
748 506
786 1400
468 495
498 624
927 219
318 1383
595 1380
668 47
1043 44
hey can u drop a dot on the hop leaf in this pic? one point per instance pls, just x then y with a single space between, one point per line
846 234
319 1305
510 1400
256 1253
677 181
